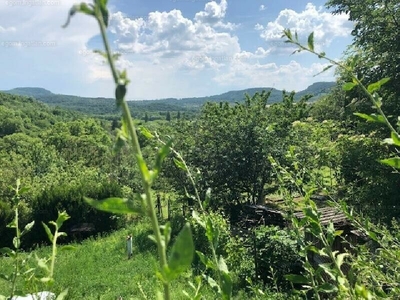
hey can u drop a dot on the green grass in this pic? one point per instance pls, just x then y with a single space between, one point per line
99 268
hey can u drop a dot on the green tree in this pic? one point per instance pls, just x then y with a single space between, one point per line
375 49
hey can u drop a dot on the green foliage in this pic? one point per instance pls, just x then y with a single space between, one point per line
71 198
20 269
213 226
374 53
277 254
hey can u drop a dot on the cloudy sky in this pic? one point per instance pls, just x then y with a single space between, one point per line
170 48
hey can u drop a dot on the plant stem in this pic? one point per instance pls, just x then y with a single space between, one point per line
16 267
54 253
136 148
365 90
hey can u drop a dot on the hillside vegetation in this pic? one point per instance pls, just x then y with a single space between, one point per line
106 107
182 187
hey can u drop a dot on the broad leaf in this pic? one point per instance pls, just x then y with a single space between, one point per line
392 162
348 86
115 205
161 155
310 41
62 217
146 132
297 278
180 164
373 87
49 234
182 253
27 228
327 288
67 248
226 286
371 117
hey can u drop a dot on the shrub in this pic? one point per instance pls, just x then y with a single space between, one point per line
277 255
70 198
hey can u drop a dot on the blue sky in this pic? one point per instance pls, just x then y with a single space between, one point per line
170 48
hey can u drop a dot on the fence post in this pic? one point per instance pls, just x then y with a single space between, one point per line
169 209
158 205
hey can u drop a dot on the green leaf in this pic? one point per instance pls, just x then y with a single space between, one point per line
68 248
373 87
288 33
226 285
42 264
212 232
143 168
115 205
371 117
6 278
207 199
161 155
49 234
167 232
180 164
27 228
396 138
327 269
294 278
323 70
340 257
213 284
62 217
59 234
310 41
327 288
23 190
182 253
16 242
7 251
62 295
198 219
338 232
222 265
208 263
348 86
83 8
392 162
146 132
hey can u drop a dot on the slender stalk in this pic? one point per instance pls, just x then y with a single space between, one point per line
136 148
349 71
16 267
54 253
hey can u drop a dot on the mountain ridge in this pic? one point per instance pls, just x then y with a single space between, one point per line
106 106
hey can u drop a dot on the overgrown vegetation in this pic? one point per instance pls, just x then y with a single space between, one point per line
108 173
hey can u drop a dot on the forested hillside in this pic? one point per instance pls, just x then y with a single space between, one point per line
159 108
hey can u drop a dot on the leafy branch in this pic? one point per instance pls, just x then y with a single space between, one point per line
370 91
183 249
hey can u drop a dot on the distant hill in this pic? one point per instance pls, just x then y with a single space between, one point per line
106 106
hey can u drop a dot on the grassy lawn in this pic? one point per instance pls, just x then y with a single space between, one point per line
99 269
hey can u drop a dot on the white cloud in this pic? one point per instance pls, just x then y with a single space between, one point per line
325 25
212 13
292 75
262 7
165 53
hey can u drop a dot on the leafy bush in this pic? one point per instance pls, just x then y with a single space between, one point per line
277 255
71 199
240 260
200 236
